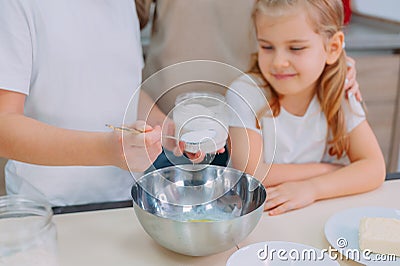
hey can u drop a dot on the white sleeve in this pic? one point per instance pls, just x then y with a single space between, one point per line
15 47
354 112
245 99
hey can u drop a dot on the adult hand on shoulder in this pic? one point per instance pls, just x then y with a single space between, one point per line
351 85
289 196
139 151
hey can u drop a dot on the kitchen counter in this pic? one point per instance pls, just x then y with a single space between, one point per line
115 237
369 34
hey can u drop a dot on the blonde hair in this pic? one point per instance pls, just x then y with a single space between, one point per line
327 17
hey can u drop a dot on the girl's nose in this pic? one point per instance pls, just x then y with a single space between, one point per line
280 60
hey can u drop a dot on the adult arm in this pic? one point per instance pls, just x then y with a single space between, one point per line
149 111
351 85
143 11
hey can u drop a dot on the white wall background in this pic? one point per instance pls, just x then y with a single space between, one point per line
386 9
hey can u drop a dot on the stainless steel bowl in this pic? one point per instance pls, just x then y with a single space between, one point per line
198 210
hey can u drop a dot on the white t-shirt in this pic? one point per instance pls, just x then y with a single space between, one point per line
79 63
295 139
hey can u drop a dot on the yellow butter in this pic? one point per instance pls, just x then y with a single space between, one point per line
201 220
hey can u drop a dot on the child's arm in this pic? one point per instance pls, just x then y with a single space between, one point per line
366 172
247 156
28 140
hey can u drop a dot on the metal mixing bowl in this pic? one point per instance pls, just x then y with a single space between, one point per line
198 210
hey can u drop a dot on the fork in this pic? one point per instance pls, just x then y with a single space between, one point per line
127 129
136 131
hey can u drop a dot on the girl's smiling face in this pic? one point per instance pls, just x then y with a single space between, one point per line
291 54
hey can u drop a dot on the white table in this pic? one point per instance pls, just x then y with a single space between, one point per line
115 237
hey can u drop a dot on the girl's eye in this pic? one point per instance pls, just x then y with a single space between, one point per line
266 47
297 48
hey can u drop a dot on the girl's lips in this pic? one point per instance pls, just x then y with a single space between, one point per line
283 76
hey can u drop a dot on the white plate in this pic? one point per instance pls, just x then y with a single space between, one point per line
341 231
276 253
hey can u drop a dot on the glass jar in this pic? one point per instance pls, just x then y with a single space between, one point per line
201 121
28 235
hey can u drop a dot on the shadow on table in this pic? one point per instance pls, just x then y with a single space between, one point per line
92 207
392 176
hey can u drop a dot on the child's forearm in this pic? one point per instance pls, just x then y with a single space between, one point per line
360 176
281 173
31 141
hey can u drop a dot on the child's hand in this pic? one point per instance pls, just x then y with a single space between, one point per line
168 129
141 150
197 157
178 147
289 196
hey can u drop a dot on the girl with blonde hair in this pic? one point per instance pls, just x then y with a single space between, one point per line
308 142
